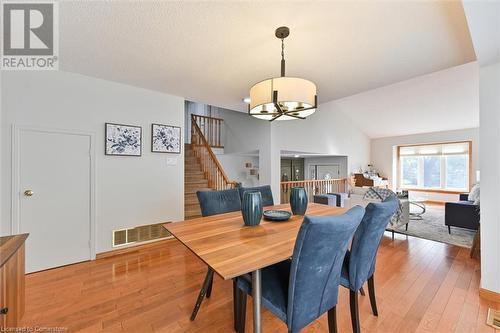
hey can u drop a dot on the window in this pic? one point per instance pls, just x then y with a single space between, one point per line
432 171
409 166
456 171
438 166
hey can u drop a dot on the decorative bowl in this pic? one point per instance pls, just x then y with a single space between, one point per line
277 215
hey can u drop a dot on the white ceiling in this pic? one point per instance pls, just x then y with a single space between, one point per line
483 19
441 101
212 52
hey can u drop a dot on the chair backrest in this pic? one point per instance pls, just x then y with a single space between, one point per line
367 239
218 202
316 265
265 191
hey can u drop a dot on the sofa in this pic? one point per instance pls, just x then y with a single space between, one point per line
357 197
461 214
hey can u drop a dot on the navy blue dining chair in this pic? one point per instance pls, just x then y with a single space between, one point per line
265 191
359 262
213 203
300 290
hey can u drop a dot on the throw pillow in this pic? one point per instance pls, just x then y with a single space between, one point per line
474 193
477 201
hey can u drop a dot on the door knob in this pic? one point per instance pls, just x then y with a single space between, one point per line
29 193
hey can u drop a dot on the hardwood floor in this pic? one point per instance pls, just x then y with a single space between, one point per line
421 286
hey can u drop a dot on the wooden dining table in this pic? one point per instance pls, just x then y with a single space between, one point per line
232 249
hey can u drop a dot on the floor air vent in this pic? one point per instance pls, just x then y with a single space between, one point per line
139 234
493 318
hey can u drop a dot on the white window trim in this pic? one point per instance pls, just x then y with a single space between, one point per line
420 174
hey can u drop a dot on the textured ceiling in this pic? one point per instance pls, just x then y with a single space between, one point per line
213 52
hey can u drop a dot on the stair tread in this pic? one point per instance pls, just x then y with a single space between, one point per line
194 175
193 191
195 181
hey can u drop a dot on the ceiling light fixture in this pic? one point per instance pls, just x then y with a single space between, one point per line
282 98
246 100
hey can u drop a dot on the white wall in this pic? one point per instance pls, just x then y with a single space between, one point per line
245 134
384 160
326 160
489 99
130 191
234 166
192 108
328 131
242 133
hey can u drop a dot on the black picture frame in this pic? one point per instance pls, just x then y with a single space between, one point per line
153 150
108 149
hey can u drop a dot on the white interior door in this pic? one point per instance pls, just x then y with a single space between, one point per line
54 172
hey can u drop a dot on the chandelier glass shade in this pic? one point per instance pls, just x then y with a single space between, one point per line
282 98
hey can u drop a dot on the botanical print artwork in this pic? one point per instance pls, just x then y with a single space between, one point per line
165 139
123 140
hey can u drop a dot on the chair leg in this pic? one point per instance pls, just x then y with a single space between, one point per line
392 234
371 293
209 289
236 306
406 227
242 317
332 320
353 300
449 230
203 291
362 291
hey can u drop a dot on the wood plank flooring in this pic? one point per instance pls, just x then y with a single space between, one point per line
421 286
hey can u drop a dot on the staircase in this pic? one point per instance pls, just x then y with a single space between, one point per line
202 170
194 180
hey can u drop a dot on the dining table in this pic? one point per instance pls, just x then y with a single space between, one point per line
231 249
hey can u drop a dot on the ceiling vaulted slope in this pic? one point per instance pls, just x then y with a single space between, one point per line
441 101
213 52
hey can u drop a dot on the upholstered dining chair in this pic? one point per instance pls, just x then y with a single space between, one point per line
213 203
265 191
359 262
300 290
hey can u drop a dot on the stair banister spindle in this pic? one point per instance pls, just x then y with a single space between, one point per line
313 187
210 165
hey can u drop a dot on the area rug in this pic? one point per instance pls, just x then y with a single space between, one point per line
432 227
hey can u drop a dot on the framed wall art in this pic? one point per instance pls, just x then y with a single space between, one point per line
123 140
165 139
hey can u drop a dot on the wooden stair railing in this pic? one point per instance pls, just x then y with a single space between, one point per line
217 178
313 187
211 128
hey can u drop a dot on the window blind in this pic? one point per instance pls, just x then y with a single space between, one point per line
456 148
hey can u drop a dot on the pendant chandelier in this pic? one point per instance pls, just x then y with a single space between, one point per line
282 98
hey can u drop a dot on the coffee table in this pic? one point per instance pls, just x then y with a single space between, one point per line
421 205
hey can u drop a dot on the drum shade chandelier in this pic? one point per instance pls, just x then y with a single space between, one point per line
282 98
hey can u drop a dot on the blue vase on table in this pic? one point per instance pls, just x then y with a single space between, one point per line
251 208
298 200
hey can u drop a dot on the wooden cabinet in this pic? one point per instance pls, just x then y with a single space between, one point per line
11 280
